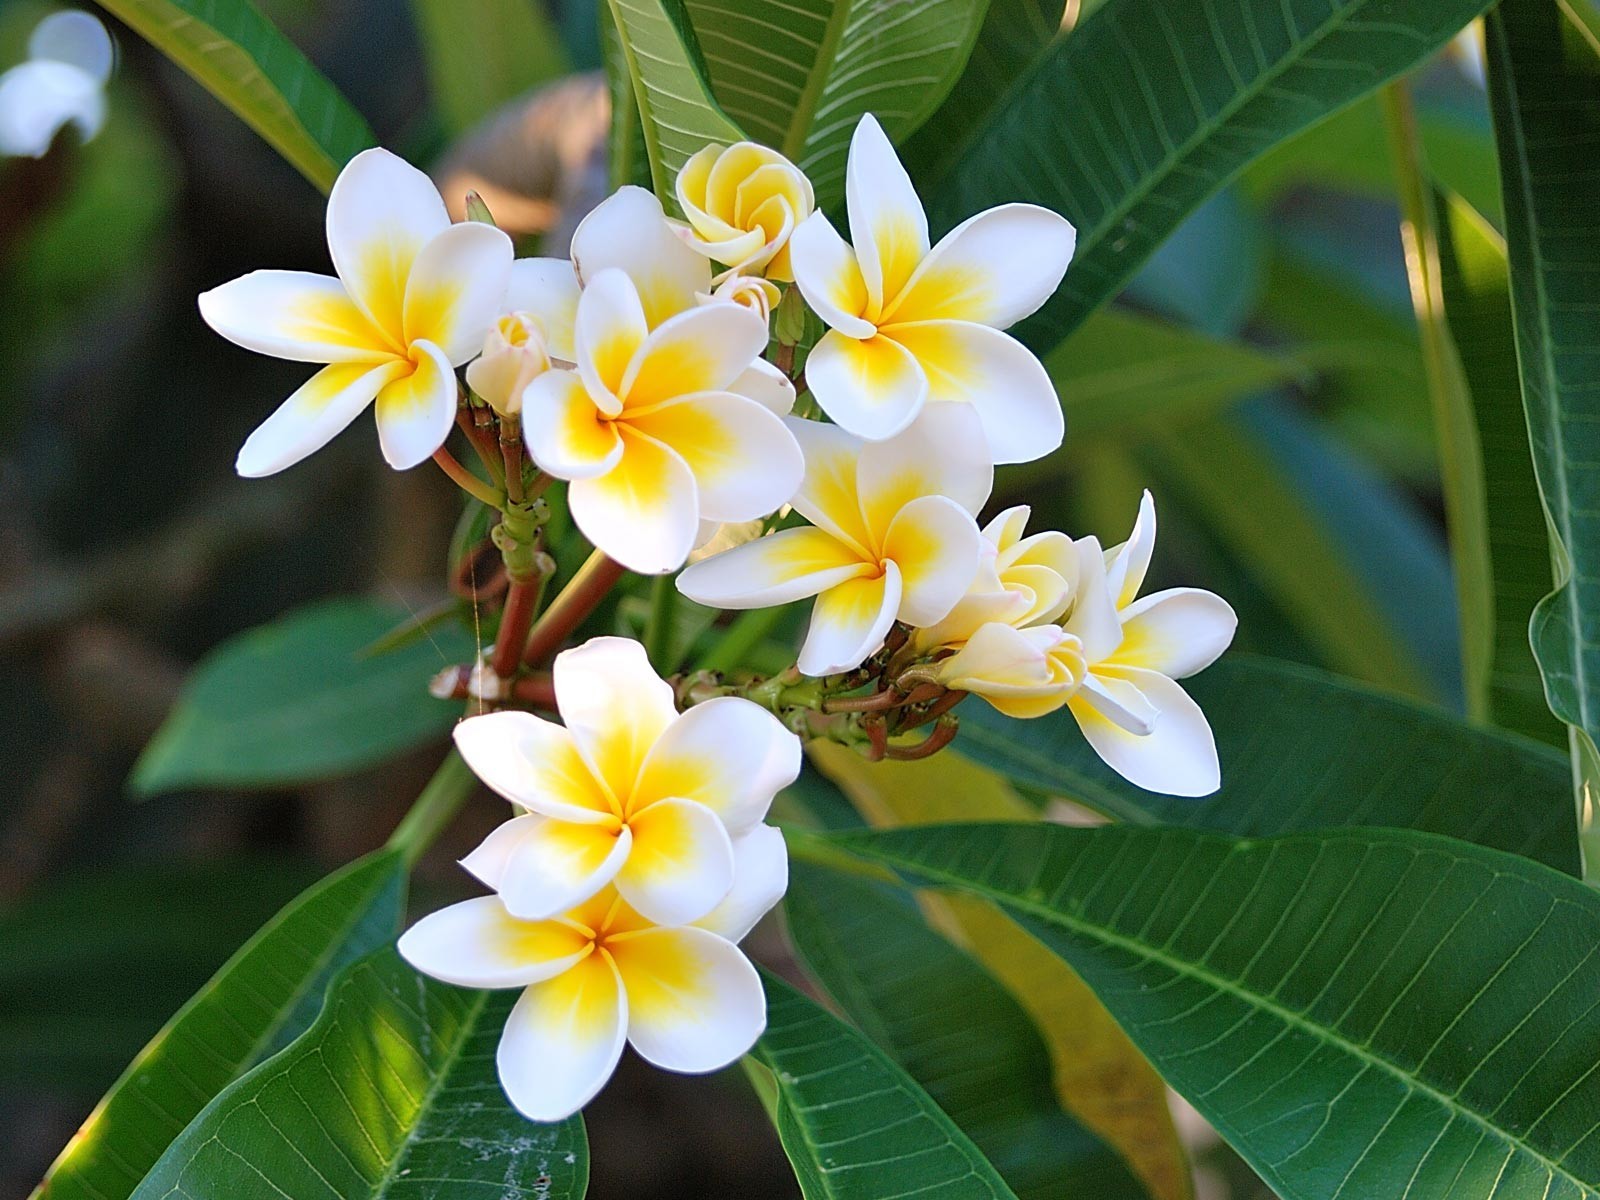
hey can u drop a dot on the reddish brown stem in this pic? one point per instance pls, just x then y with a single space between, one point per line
483 442
936 710
943 734
877 738
465 479
511 455
567 611
515 622
538 691
877 702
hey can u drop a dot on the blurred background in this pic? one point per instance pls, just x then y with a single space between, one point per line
1263 375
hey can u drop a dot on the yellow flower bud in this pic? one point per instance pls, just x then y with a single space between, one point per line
742 203
514 355
1022 672
758 295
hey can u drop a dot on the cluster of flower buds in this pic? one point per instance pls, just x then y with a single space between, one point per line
637 372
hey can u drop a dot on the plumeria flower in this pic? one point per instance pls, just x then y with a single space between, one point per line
1023 672
70 58
414 298
892 537
629 793
667 426
743 203
600 975
1136 717
910 326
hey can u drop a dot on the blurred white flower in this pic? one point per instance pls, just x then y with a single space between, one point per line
70 57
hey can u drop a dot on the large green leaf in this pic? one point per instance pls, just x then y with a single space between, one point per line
1362 1013
1544 81
1303 750
1150 107
1472 262
238 56
798 76
391 1093
854 1125
953 1027
667 78
301 699
265 996
481 55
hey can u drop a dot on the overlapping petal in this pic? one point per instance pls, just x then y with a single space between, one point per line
535 763
994 268
479 944
608 331
760 878
941 454
873 387
727 754
744 460
563 1039
695 1003
1178 757
767 386
547 290
645 511
615 707
849 622
788 565
564 431
558 864
828 495
888 228
417 411
1127 564
829 277
1176 632
1093 619
294 315
701 350
314 414
629 231
456 288
933 543
680 866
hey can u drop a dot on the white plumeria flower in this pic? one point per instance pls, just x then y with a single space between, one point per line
893 537
414 297
743 203
910 325
668 424
628 793
70 57
1136 717
1021 582
600 975
1025 673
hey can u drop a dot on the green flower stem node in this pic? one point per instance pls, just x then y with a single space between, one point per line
517 536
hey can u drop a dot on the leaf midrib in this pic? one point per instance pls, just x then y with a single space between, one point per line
1263 1004
794 137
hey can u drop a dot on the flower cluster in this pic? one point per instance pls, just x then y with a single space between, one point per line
637 371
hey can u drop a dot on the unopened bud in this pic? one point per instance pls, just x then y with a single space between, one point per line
791 327
754 293
514 355
477 210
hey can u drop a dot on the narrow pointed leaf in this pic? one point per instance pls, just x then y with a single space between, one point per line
259 1001
1304 750
1362 1013
392 1093
952 1027
238 55
855 1126
1150 107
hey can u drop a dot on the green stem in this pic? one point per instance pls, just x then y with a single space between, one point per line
658 628
743 636
434 808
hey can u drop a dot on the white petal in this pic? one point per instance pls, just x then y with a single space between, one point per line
942 453
381 212
74 37
547 289
416 412
760 878
695 1003
767 386
702 350
745 461
994 374
1179 758
565 431
294 315
478 944
887 225
850 622
994 268
788 565
828 495
828 276
456 289
609 329
1093 619
934 543
645 511
873 388
563 1039
557 865
1127 564
40 98
614 705
728 754
1001 659
533 763
310 418
1120 702
630 231
1176 632
681 863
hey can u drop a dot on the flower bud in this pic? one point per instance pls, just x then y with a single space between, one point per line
514 355
1021 672
742 203
758 295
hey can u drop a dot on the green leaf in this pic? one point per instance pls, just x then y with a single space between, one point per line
667 77
256 1004
298 699
1303 750
954 1029
1150 107
483 54
1472 268
1362 1013
391 1093
1544 90
238 56
93 962
798 76
854 1125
